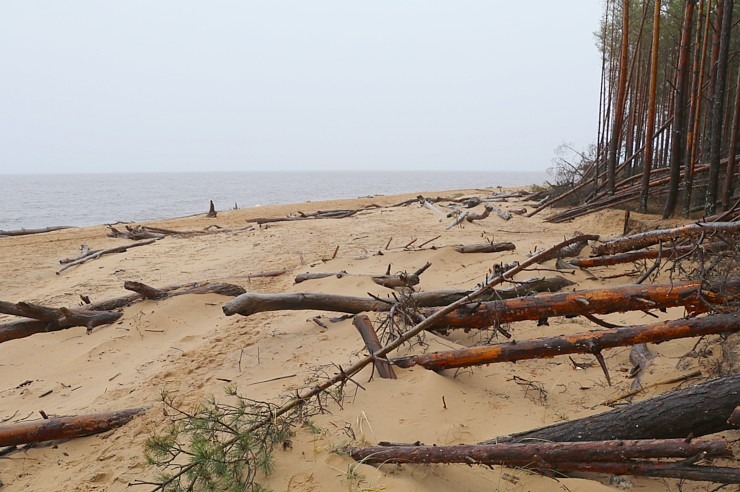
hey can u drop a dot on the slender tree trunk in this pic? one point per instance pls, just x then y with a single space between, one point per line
694 135
710 204
679 120
729 189
650 133
611 164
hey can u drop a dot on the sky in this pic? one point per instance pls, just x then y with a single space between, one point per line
138 86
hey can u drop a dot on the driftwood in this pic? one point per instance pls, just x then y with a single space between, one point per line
580 343
472 217
693 295
135 233
572 250
430 206
84 251
542 455
458 219
403 280
518 210
693 411
302 277
485 248
365 327
642 240
211 210
65 427
647 254
25 232
501 213
252 302
223 289
49 319
327 214
94 255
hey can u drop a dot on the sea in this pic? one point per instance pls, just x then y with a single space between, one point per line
46 200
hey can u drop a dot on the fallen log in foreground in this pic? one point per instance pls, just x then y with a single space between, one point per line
690 294
65 427
644 239
253 302
696 410
590 342
677 470
541 454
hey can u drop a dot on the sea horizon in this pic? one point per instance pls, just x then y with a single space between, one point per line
84 199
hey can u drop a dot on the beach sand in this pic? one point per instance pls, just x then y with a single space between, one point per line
188 347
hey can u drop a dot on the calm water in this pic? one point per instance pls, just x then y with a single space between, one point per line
87 199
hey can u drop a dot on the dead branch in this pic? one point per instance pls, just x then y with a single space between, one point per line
49 319
647 254
590 342
25 232
94 255
65 427
135 233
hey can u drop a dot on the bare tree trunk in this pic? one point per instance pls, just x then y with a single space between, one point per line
679 120
611 164
729 186
710 204
649 151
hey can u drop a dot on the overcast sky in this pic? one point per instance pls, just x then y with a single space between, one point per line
92 86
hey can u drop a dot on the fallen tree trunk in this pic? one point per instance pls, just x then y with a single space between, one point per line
223 289
693 411
327 214
472 217
50 319
541 454
504 215
65 427
253 302
94 255
590 342
26 232
135 233
485 247
642 240
572 250
594 301
631 256
652 469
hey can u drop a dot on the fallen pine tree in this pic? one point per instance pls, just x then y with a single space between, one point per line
65 427
693 411
254 302
637 241
628 257
692 294
541 454
592 342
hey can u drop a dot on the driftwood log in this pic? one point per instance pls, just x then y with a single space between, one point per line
542 454
135 233
26 232
485 247
693 411
472 217
326 214
590 342
95 254
642 240
692 295
65 427
223 289
253 302
46 319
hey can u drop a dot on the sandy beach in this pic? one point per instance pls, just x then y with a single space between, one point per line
187 347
